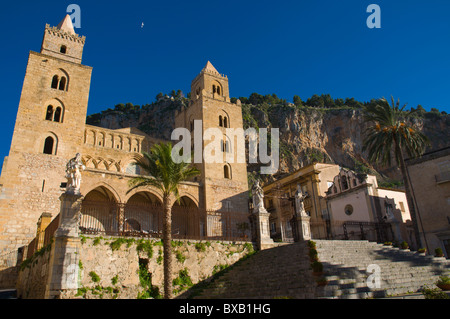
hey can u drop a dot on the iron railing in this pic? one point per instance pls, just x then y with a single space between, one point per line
146 220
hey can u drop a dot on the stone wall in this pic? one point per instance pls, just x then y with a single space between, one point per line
33 275
109 267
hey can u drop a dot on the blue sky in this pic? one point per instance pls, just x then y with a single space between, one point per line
283 47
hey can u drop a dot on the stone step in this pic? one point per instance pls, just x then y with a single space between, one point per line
401 271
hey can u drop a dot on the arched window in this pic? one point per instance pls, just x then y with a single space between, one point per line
344 182
218 90
63 49
220 121
214 89
48 145
57 117
55 82
227 171
62 84
49 114
225 121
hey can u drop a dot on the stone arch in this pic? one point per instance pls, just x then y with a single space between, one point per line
90 137
142 212
187 220
99 210
217 88
227 173
110 193
128 166
224 118
89 161
186 200
149 192
48 144
54 110
101 139
60 80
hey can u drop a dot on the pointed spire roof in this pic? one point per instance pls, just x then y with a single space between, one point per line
66 25
210 68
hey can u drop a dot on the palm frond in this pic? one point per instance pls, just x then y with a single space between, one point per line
165 173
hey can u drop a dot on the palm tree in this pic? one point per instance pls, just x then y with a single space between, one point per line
390 132
165 175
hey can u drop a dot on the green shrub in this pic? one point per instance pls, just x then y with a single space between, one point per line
434 293
438 251
94 276
313 254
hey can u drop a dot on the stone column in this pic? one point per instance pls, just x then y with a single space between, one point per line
263 239
64 257
303 227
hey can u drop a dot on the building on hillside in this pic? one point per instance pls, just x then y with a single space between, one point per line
51 128
359 209
429 178
341 204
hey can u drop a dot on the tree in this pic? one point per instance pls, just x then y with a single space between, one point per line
388 131
297 100
165 175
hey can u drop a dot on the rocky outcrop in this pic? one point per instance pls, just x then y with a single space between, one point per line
307 134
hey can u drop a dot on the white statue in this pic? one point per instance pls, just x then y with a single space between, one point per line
73 174
299 198
258 197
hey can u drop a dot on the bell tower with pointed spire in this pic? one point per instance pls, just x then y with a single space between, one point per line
49 130
224 183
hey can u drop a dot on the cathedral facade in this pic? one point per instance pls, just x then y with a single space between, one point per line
51 128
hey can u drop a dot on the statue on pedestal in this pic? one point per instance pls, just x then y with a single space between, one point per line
257 197
299 198
73 174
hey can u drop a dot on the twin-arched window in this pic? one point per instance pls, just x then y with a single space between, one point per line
216 89
59 83
223 121
54 114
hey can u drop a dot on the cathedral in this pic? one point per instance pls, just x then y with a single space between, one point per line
51 128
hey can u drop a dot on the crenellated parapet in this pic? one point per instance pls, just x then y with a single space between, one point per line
56 32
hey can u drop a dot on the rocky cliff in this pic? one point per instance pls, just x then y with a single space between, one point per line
307 134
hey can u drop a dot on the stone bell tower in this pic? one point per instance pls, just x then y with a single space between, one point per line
49 130
225 185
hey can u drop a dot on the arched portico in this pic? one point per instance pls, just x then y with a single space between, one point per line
99 211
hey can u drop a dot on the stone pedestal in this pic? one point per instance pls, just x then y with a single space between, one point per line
304 229
64 258
261 222
70 213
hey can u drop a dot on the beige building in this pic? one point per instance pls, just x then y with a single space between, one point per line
429 178
50 129
341 204
358 209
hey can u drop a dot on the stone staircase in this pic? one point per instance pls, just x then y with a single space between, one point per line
285 272
402 272
280 272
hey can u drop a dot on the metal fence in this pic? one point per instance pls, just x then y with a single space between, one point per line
146 220
351 230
